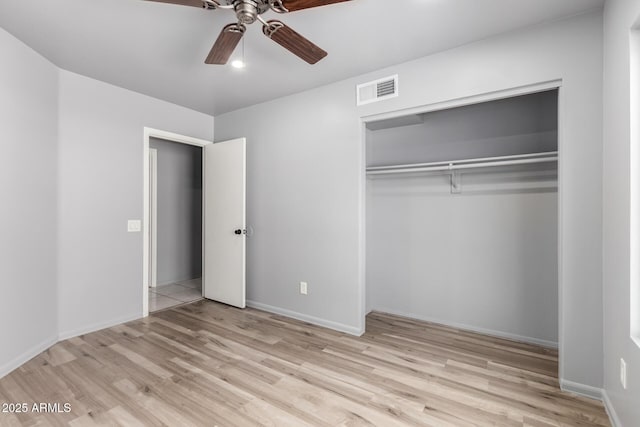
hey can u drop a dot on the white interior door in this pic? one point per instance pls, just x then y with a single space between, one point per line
224 222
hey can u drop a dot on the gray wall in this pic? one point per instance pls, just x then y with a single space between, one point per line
100 188
28 208
179 207
485 259
306 181
620 16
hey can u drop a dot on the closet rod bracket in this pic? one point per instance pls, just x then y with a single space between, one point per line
455 180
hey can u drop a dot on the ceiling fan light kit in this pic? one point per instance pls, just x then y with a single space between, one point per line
249 11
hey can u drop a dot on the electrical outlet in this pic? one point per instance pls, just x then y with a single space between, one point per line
623 373
303 288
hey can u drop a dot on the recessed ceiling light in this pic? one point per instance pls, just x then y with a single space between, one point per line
238 63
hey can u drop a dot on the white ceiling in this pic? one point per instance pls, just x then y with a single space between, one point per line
159 49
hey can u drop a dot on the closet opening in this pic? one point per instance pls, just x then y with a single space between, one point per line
462 217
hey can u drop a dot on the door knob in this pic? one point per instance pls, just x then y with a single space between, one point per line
238 231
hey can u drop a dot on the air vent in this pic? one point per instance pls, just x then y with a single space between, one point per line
377 90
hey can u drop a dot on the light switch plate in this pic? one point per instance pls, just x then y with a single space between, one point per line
134 226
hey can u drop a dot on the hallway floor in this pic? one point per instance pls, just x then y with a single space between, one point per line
173 294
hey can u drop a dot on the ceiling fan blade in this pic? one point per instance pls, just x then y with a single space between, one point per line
225 44
293 5
194 3
293 42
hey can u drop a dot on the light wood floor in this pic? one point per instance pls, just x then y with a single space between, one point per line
206 364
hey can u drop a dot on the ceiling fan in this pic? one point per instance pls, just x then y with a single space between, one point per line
249 11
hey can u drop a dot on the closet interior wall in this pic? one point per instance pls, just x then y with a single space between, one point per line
484 255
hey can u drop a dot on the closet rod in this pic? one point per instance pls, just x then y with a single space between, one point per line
476 160
450 166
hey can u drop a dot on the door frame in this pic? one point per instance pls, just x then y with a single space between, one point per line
167 136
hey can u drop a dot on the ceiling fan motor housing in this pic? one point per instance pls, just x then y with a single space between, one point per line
247 11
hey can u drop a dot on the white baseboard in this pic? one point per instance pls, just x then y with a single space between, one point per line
26 356
608 406
341 327
499 334
581 389
97 326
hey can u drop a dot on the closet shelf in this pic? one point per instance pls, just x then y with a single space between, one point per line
452 165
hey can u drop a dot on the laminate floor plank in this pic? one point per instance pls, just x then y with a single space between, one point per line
456 333
441 352
450 335
542 363
208 364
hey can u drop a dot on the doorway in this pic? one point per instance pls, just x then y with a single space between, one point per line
148 253
223 223
176 203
